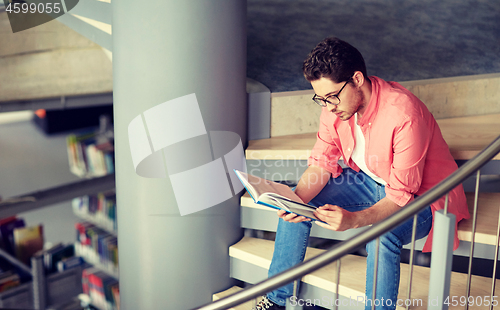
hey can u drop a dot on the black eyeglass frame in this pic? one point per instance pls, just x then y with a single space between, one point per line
324 102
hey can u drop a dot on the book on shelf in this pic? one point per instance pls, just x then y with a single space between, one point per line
57 253
9 279
275 195
85 279
11 272
70 263
99 209
97 247
77 154
28 241
102 288
90 154
59 257
115 290
47 255
7 227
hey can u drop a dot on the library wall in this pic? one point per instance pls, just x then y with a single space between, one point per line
49 60
32 161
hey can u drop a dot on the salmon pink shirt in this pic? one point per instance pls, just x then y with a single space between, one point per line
403 146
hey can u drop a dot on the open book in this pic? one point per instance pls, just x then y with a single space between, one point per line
275 195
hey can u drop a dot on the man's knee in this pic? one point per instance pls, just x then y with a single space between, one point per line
388 242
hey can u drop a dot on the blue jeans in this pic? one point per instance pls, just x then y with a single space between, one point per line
352 191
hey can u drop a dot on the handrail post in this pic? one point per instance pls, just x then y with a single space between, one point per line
412 257
295 294
337 295
495 262
473 237
375 273
39 283
441 260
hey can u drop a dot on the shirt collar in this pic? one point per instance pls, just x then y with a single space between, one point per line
371 110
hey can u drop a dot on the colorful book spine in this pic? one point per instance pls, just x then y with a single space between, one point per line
102 289
98 209
98 247
7 227
28 241
9 279
90 154
69 263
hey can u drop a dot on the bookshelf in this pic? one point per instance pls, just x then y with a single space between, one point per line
91 154
38 288
97 236
38 187
55 288
99 210
20 295
32 161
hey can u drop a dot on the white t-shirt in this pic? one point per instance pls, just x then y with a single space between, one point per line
358 154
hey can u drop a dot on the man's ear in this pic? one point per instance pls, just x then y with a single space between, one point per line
358 78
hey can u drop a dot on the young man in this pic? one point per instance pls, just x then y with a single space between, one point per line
395 152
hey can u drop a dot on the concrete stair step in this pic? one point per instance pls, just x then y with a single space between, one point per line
257 254
487 219
466 136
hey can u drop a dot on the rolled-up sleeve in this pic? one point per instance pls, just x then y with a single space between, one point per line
325 153
411 143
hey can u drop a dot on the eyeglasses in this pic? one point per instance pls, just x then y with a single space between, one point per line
332 99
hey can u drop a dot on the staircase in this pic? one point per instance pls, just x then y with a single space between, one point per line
251 257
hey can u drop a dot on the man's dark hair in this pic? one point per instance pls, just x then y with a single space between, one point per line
334 59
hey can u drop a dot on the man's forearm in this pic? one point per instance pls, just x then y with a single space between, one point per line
312 182
376 213
340 219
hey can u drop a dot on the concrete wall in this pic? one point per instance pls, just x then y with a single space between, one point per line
295 113
459 96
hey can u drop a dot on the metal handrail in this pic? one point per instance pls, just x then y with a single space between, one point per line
362 238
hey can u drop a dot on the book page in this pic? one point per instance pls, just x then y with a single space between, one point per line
262 186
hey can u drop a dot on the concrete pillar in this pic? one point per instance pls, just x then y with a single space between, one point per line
164 50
